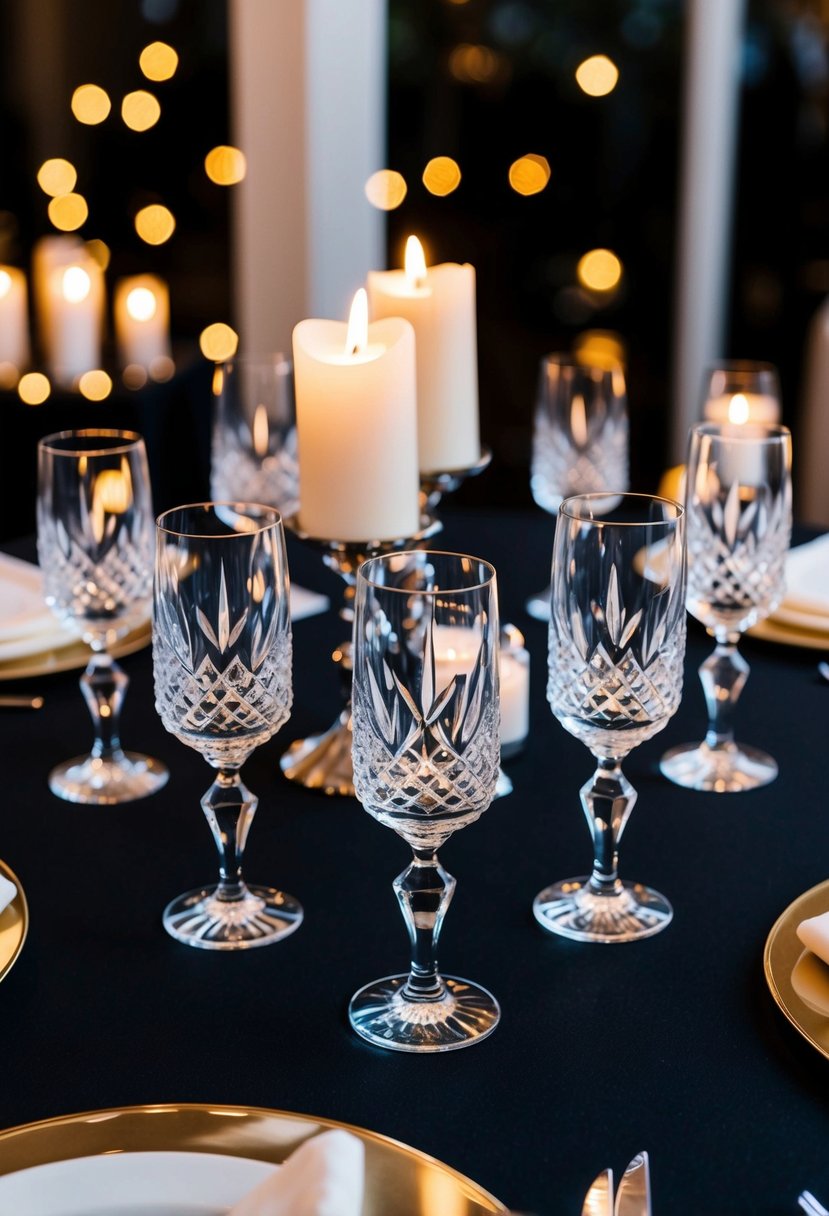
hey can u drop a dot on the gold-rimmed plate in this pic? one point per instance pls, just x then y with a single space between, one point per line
14 924
71 657
772 630
798 979
399 1179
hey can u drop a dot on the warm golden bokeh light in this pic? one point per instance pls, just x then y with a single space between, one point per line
597 76
218 342
473 64
162 368
599 270
75 284
155 224
140 110
34 388
158 61
442 175
91 104
99 251
95 385
57 176
600 348
68 211
134 376
225 165
141 304
386 189
529 174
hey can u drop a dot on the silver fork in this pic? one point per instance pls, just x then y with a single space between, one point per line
810 1205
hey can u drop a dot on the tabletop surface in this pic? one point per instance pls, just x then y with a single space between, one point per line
672 1044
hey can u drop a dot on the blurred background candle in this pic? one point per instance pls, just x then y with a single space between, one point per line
456 648
142 321
14 323
440 304
75 310
357 427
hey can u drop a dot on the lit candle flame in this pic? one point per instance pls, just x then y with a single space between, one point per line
415 263
260 431
75 284
578 420
738 410
356 339
141 304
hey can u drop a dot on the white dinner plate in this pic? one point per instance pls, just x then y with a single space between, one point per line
133 1184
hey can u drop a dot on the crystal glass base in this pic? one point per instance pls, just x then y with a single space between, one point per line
383 1015
261 916
730 769
538 606
572 908
123 777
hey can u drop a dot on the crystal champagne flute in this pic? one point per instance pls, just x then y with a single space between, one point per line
617 644
738 499
426 754
94 540
222 662
580 440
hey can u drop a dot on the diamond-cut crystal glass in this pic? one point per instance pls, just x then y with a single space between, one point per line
254 433
617 645
94 539
222 662
426 757
739 503
580 441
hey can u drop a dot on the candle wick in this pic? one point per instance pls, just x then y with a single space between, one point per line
356 349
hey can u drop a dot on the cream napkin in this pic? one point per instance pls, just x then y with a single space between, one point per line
807 577
814 933
324 1177
7 892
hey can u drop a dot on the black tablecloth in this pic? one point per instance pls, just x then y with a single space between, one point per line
671 1045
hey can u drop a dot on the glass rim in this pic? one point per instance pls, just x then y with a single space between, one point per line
622 495
385 558
732 432
240 507
267 358
131 440
565 359
742 365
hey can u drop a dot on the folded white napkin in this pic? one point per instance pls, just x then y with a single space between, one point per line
324 1177
807 577
814 933
7 892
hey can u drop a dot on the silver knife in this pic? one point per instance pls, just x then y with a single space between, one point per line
633 1197
599 1199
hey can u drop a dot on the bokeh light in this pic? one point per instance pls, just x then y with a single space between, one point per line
99 251
162 368
602 348
75 284
158 61
57 176
9 375
386 189
441 176
473 64
95 385
529 174
218 342
140 110
68 211
134 376
34 388
155 224
141 304
597 76
225 165
90 104
599 270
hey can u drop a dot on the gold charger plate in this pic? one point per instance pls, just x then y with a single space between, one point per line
399 1179
798 980
14 924
770 630
71 657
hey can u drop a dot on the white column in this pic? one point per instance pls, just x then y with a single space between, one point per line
307 110
709 128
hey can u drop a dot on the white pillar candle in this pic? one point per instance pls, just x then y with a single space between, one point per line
142 320
456 649
357 427
739 408
440 304
14 319
75 308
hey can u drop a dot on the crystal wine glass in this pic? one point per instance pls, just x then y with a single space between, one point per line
222 661
738 499
94 540
617 643
426 754
254 433
580 441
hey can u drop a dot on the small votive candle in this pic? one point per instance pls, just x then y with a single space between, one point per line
456 649
142 322
14 323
